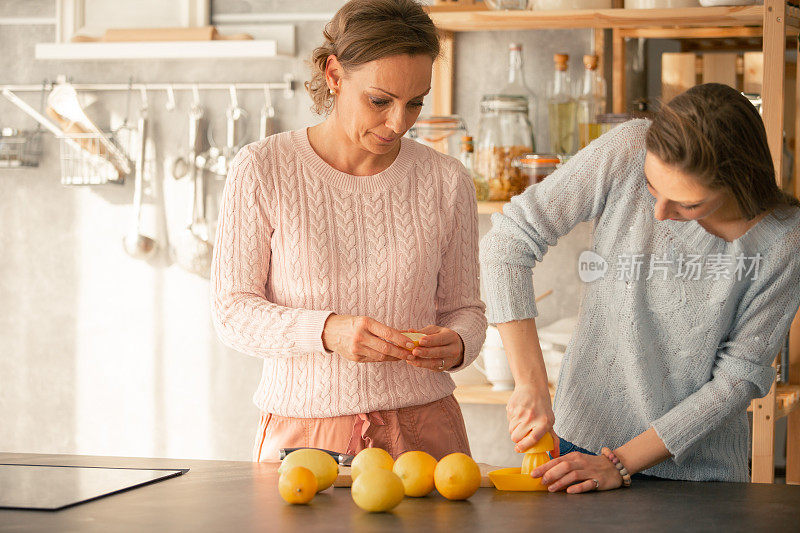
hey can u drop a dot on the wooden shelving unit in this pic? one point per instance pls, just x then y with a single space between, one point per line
482 19
787 398
773 22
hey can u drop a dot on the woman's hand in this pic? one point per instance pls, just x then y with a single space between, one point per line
530 415
577 471
364 340
439 350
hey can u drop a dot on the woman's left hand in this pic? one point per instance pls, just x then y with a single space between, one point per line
576 472
439 350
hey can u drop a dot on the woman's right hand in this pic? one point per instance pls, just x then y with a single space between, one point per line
530 415
364 340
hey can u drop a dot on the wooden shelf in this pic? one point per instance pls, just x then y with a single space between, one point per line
483 394
158 50
699 17
487 208
787 398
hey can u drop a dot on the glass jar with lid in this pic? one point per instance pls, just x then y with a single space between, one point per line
440 132
504 133
536 167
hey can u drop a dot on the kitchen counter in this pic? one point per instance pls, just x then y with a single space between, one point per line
243 496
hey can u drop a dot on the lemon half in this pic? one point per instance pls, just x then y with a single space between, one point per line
414 336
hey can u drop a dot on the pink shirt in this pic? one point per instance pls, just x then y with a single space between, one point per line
298 240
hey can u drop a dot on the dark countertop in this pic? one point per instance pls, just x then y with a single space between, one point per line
242 496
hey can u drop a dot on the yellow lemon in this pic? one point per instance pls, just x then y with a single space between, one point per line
377 490
370 458
416 471
532 461
457 476
297 485
320 463
415 337
545 444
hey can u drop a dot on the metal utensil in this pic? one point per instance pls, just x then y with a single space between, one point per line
137 245
188 165
192 251
217 160
341 458
266 125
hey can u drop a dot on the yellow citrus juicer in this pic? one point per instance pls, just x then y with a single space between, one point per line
519 479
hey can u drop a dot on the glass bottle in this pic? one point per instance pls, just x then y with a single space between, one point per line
592 101
561 110
516 84
468 160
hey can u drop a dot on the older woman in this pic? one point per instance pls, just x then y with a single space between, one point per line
697 280
334 239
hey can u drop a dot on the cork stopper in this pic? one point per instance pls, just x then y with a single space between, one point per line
467 144
561 61
515 46
590 62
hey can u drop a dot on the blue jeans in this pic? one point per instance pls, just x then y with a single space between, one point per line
565 447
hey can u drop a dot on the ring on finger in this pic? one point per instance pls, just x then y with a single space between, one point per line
441 365
596 484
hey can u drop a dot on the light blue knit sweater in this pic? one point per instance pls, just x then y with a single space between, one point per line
680 354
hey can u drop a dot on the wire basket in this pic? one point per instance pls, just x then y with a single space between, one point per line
20 149
86 160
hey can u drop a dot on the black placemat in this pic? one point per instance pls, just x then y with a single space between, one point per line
53 487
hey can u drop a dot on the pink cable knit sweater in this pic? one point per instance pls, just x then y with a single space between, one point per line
298 240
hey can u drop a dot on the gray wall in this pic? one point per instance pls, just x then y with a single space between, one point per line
103 354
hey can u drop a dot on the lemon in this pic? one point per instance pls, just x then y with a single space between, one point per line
297 485
545 444
377 490
320 463
415 469
457 476
532 461
370 458
415 337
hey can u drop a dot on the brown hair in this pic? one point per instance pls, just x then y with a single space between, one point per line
713 133
366 30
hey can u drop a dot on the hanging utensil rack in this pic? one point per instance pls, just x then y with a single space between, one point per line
75 146
287 86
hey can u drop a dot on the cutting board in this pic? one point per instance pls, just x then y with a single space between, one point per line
345 480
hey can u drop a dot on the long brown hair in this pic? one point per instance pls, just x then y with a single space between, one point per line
713 133
366 30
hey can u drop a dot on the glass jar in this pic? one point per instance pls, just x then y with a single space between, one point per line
609 121
536 167
440 132
504 133
468 160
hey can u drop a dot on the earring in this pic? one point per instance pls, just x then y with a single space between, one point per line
331 91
